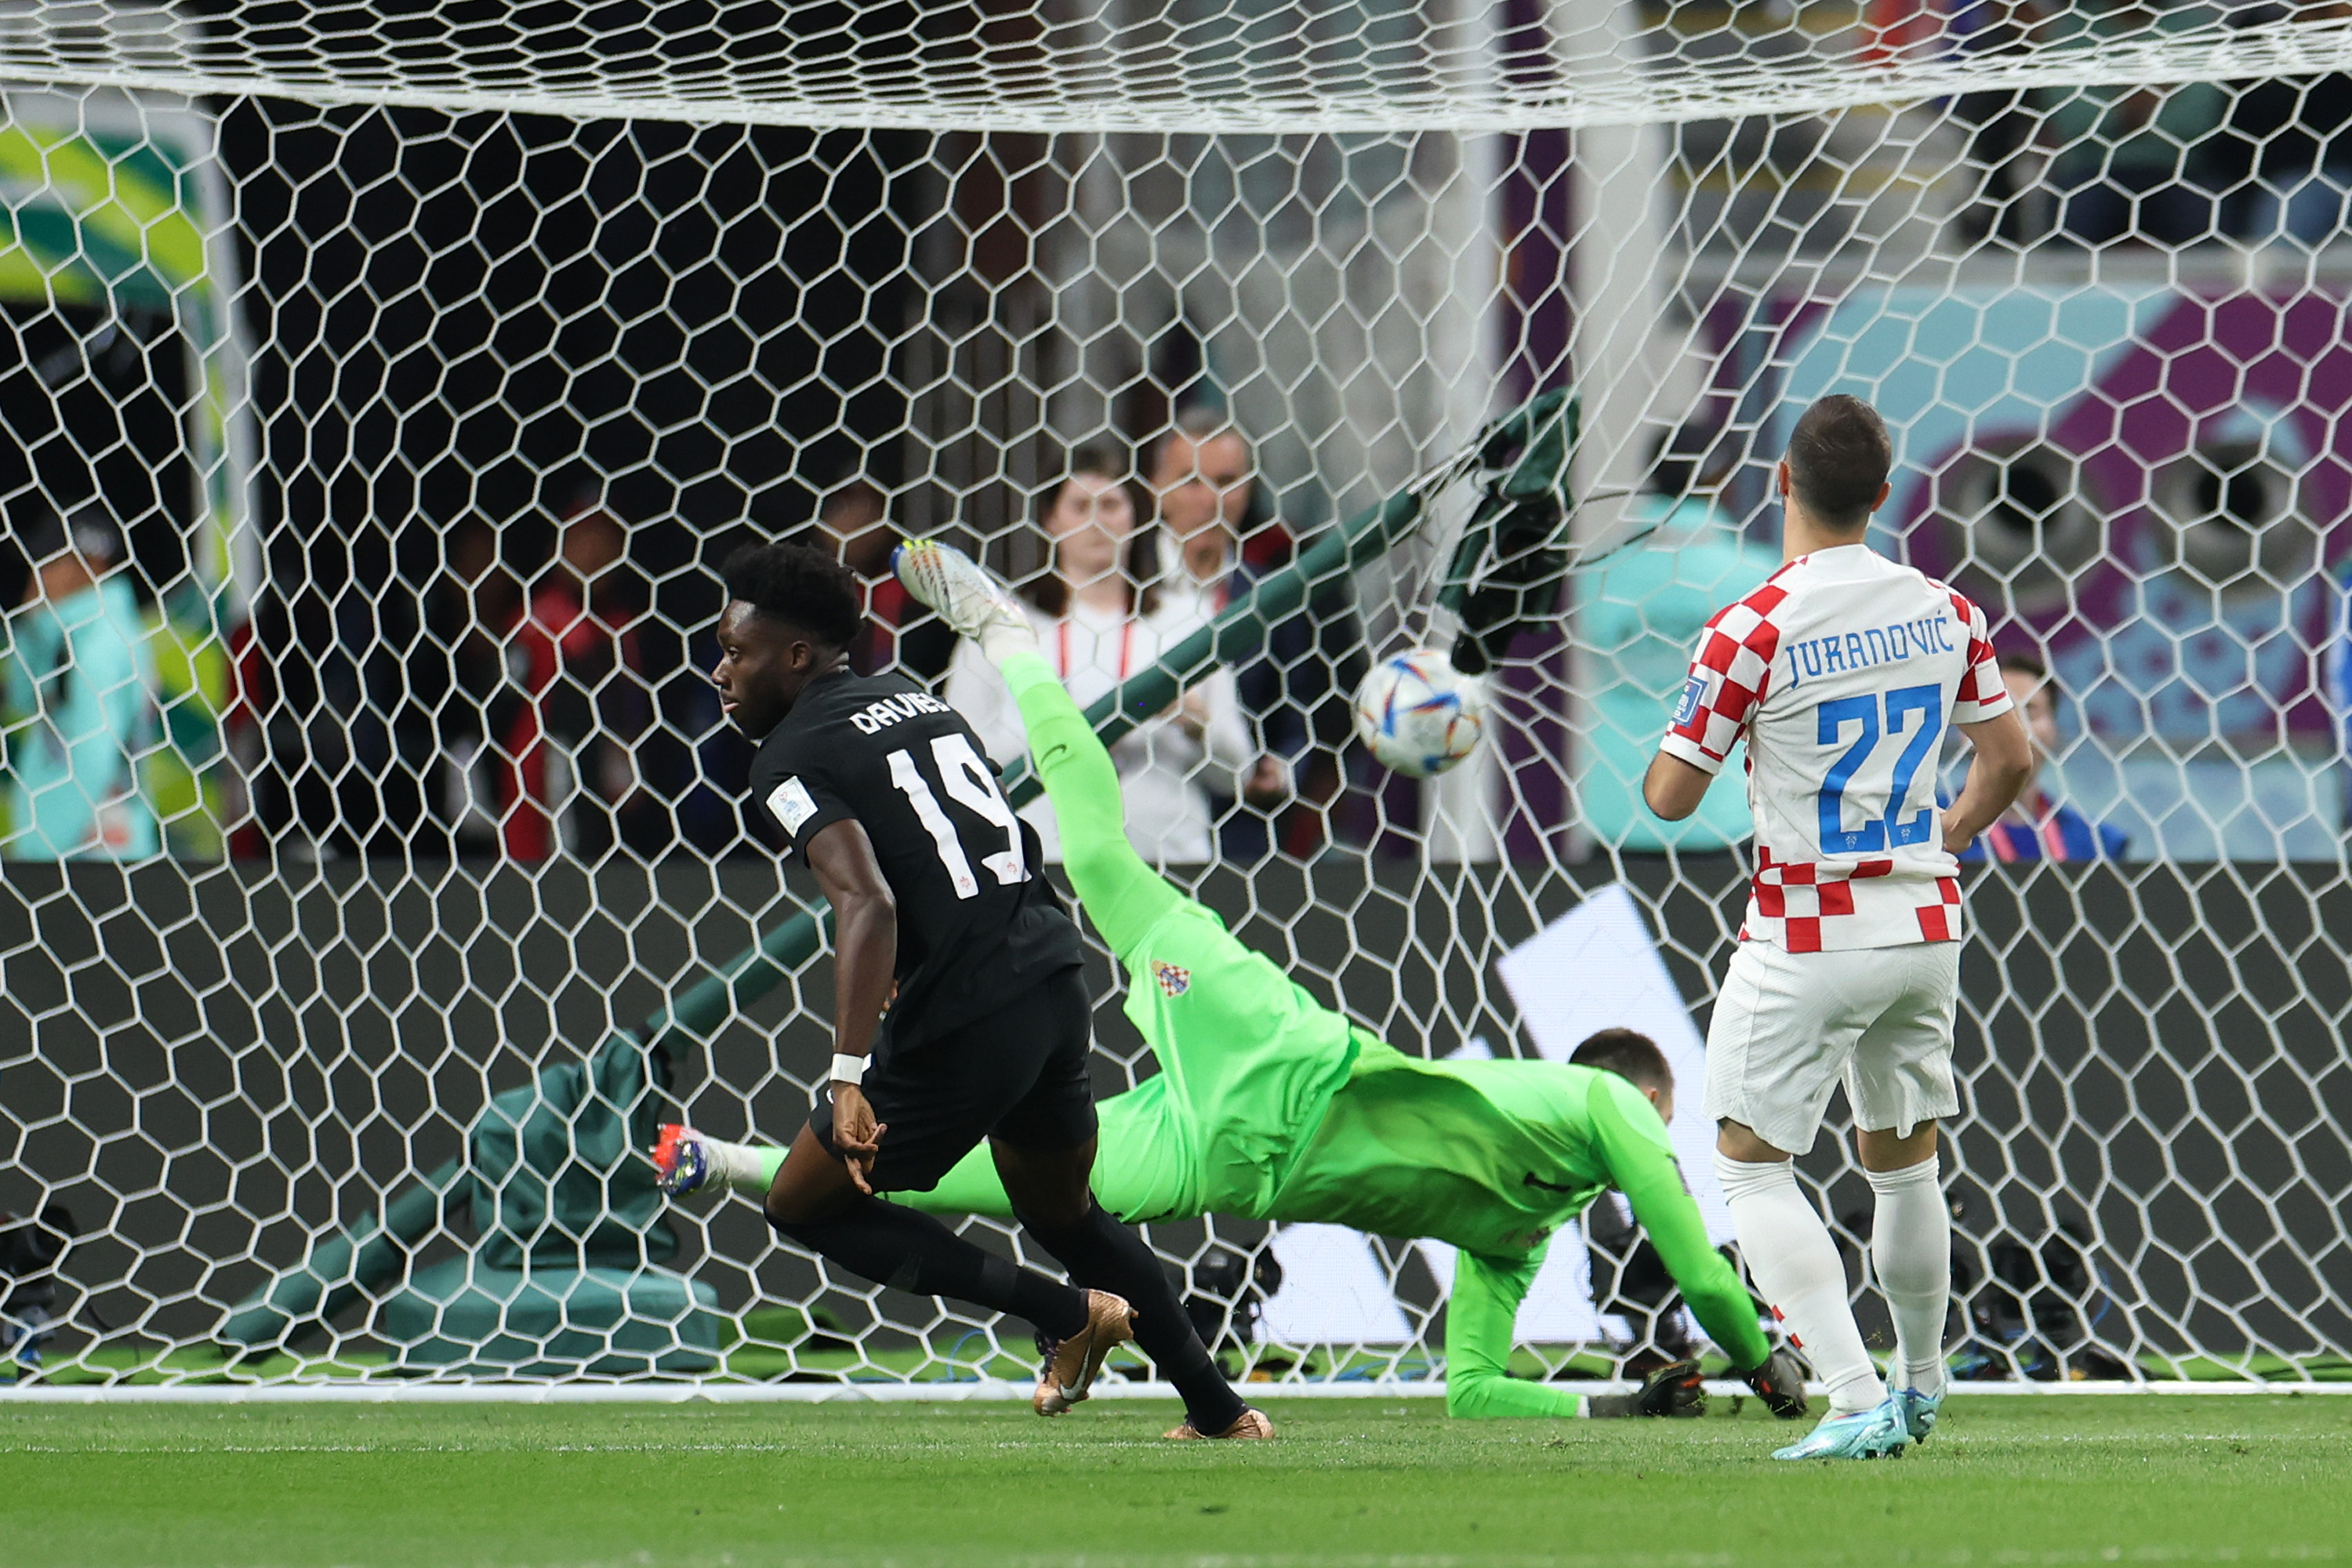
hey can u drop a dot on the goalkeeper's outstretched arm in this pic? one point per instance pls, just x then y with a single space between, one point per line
1642 1166
1480 1319
1481 1316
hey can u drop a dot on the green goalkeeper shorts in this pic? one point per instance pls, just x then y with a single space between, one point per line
1248 1067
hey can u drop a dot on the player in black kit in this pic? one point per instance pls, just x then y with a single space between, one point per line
957 969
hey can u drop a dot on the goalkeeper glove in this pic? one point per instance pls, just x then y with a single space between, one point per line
1780 1383
1674 1389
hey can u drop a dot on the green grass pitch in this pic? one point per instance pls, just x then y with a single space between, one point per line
1352 1482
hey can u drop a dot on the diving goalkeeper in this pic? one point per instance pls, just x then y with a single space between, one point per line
1269 1106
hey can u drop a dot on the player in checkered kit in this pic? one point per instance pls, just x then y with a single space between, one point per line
1843 673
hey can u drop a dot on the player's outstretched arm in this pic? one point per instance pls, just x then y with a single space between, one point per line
1481 1316
1642 1166
1479 1328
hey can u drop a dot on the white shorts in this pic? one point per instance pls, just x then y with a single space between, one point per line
1789 1026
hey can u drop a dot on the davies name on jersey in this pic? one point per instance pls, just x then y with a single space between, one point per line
876 717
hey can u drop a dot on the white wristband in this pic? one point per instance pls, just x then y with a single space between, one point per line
848 1070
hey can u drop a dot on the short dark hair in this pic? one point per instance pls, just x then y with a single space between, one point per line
2023 663
799 584
1630 1054
1839 457
1202 423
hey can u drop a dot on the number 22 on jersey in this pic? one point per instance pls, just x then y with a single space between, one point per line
969 782
1841 717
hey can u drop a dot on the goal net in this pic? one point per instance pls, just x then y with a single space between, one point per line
383 386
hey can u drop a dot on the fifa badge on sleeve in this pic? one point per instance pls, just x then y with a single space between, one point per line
1693 693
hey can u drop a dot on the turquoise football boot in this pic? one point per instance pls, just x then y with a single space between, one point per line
1918 1411
1877 1433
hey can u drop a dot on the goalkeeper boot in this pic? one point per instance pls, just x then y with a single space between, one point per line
1877 1433
1918 1411
681 1162
1250 1427
1674 1389
967 598
1069 1375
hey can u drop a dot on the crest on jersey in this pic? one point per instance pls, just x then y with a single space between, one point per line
1173 981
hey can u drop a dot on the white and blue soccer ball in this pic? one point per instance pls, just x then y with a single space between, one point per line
1418 714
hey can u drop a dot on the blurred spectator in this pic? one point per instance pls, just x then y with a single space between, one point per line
1639 616
2136 162
1201 478
2294 145
472 601
2336 663
339 763
81 704
575 702
2002 122
1099 619
854 523
2041 827
2139 164
1295 691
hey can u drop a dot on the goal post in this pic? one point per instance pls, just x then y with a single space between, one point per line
413 380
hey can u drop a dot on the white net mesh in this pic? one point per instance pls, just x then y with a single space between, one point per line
1214 66
387 381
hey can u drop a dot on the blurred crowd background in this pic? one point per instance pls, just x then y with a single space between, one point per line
483 399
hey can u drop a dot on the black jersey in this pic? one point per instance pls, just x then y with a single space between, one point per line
977 924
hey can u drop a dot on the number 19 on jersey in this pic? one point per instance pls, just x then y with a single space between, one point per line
969 782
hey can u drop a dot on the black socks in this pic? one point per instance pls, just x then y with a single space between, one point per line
910 1251
1100 1252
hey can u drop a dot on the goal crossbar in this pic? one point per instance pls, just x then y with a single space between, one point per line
1457 88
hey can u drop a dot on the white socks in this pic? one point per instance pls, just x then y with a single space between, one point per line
1911 1250
743 1167
1795 1265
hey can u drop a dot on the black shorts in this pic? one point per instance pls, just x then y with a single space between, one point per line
1018 1074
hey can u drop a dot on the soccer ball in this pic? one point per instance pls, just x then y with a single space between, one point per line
1418 713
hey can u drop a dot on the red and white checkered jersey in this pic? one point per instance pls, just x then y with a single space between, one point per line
1844 673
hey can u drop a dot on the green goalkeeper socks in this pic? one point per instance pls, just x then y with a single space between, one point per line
1122 895
1025 669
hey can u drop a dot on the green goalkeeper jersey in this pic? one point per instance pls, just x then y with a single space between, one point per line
1271 1106
1491 1156
1495 1156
